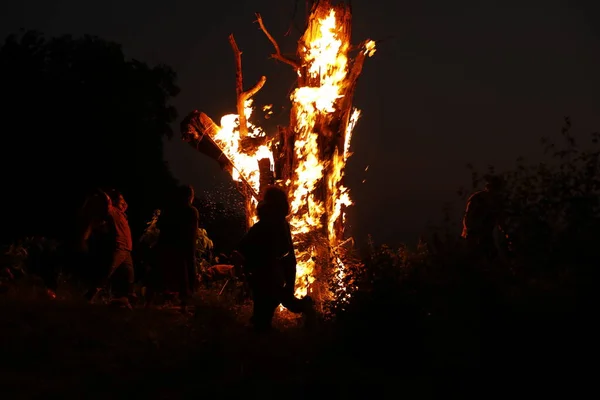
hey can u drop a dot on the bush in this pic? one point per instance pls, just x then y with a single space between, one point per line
552 222
553 214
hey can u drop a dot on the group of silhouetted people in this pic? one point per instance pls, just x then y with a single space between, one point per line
265 254
102 249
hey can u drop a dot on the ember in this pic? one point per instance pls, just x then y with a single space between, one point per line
308 157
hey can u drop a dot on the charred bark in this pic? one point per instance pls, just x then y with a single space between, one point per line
197 129
266 176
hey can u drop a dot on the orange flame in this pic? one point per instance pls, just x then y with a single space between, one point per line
245 162
325 59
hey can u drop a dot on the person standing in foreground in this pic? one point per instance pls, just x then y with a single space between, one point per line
122 272
267 253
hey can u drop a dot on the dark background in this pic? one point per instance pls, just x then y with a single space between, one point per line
453 82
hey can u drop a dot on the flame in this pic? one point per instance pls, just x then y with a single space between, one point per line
324 59
229 140
370 48
268 109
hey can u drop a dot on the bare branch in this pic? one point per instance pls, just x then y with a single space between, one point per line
239 86
238 66
254 89
277 55
242 95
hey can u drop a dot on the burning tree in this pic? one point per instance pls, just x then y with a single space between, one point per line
306 158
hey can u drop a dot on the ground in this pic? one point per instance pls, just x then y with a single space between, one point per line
69 348
67 345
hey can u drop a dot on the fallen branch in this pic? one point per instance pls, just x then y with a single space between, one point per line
277 55
199 129
242 177
242 95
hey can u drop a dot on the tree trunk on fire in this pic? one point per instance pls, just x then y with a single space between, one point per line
309 154
332 127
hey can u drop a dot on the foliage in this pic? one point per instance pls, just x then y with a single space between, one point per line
16 255
553 209
204 244
375 284
99 121
150 235
552 220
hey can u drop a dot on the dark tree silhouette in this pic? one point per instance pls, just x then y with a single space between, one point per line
77 115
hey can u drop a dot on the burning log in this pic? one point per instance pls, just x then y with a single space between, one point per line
199 130
198 126
321 122
266 175
284 154
307 157
234 155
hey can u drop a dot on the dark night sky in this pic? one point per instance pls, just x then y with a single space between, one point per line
458 81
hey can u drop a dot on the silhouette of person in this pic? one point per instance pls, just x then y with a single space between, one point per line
94 242
176 246
121 271
483 214
267 253
92 216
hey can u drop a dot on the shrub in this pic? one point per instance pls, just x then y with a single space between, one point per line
552 222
